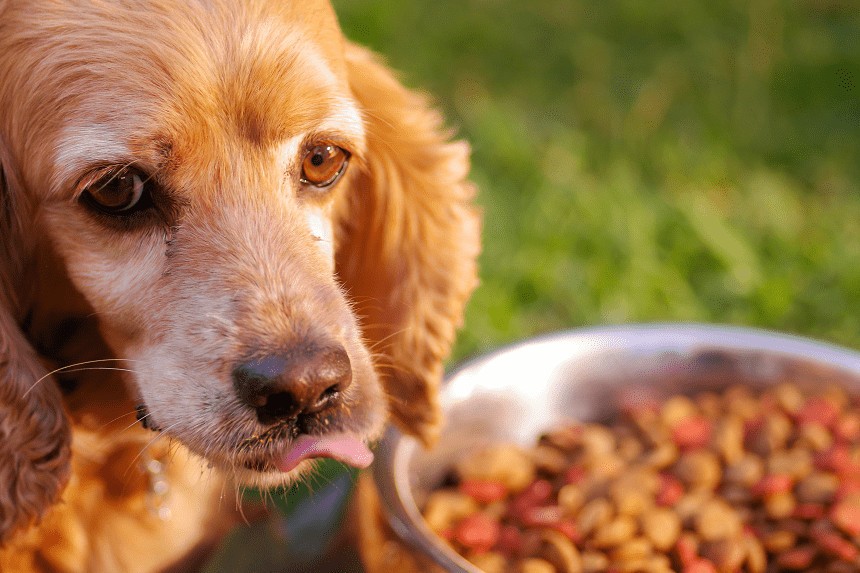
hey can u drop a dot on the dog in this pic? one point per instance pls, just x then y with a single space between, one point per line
231 243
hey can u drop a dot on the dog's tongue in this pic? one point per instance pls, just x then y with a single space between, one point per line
341 447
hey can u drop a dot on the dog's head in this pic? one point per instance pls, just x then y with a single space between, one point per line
273 233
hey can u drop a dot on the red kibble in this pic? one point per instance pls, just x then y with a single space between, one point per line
818 411
837 459
541 516
534 495
575 474
510 540
479 532
687 550
484 491
808 511
796 557
669 491
568 529
834 544
772 484
848 427
700 565
848 486
846 516
692 433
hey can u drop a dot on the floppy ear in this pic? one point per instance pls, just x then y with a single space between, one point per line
408 240
34 433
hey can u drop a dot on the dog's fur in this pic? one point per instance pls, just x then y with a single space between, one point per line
216 102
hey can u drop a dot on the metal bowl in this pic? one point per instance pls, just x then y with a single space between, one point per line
518 392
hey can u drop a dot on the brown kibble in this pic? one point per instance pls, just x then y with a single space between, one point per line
662 527
756 559
717 520
779 541
815 437
789 397
630 497
726 554
549 460
818 487
798 558
662 456
571 498
796 462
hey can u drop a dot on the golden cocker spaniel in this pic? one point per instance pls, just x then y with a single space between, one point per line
230 243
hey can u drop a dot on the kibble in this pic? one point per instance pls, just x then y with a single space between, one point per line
731 482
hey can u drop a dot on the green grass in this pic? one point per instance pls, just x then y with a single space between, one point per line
647 161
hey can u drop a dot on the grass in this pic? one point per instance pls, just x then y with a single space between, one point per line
647 161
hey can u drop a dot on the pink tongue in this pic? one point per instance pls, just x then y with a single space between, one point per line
342 447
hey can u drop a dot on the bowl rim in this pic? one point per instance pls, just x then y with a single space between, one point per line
395 448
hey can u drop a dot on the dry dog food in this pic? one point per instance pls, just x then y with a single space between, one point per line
734 482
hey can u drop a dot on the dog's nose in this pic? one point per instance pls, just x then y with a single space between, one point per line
303 381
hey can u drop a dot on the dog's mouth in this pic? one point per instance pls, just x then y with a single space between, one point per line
278 449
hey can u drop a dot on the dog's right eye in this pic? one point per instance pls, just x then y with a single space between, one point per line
119 192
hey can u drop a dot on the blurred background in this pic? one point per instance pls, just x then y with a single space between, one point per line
647 161
637 161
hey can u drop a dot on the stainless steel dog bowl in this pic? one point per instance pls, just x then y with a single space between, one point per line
518 392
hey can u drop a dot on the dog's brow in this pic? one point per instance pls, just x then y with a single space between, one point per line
78 146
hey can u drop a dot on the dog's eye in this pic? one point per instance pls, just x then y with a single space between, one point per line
323 165
118 191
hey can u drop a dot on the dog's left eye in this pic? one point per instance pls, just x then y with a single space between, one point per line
323 165
118 191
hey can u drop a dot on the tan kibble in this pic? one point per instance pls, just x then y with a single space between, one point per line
796 462
770 435
490 562
571 498
676 409
558 550
662 455
729 438
815 437
717 520
690 504
594 561
597 440
699 469
535 565
638 549
630 497
605 466
789 397
745 472
614 532
756 558
661 526
549 459
742 402
593 514
779 505
446 507
505 463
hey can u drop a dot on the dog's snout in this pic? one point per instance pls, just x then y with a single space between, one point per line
304 381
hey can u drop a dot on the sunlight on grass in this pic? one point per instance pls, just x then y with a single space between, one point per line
643 161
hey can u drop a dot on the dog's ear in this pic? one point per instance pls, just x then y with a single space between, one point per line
34 432
407 241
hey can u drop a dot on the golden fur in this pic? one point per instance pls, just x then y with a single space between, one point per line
215 100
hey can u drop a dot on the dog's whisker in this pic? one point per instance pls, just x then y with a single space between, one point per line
75 365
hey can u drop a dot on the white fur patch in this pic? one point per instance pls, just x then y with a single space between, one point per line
81 145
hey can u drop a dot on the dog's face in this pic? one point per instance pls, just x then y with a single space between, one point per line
187 171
